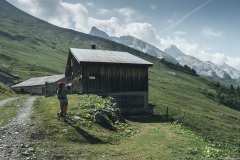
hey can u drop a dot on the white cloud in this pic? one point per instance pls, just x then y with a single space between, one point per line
114 27
211 33
104 11
153 6
179 33
234 62
217 58
76 16
57 12
90 4
111 26
127 13
181 43
143 31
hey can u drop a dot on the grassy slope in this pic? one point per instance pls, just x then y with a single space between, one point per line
6 92
43 49
214 132
181 94
30 47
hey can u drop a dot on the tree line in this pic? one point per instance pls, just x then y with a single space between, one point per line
227 95
179 67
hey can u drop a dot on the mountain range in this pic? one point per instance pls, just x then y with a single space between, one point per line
134 43
205 68
31 47
223 73
24 39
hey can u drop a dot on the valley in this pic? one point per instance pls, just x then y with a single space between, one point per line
187 122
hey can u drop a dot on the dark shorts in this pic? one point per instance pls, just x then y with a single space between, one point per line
63 102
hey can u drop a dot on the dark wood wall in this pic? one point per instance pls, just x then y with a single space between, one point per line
102 77
127 83
114 78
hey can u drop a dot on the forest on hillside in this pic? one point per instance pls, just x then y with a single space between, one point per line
179 67
226 95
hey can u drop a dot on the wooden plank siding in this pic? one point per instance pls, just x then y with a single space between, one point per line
127 83
130 103
109 78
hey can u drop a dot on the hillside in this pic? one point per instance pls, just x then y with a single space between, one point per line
31 47
187 125
6 92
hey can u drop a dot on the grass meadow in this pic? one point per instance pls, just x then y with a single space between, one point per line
186 125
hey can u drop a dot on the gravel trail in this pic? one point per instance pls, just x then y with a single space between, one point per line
3 102
15 136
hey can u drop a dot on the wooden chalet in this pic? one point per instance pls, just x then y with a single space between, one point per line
111 73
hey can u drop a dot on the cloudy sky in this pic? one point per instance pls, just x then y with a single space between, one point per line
206 29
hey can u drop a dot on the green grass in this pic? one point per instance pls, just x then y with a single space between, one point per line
6 91
181 94
44 51
10 110
155 139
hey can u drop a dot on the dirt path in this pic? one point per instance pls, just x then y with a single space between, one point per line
6 101
14 137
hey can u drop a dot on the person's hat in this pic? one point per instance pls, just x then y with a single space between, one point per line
61 84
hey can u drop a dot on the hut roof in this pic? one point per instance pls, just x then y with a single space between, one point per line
5 74
104 56
40 81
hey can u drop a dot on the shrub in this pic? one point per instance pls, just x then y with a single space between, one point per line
103 111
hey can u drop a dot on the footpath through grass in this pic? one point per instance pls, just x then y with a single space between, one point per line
154 139
10 110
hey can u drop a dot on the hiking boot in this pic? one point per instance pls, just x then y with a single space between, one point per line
58 116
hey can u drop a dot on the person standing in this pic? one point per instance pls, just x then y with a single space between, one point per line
63 90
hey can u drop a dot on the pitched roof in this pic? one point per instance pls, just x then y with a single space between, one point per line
104 56
5 74
40 81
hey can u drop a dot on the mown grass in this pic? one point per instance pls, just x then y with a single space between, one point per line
155 139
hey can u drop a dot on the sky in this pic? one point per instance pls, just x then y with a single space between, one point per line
206 29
